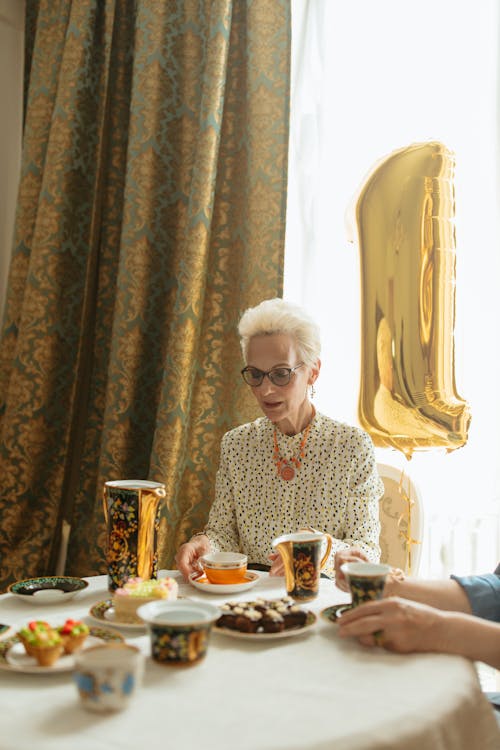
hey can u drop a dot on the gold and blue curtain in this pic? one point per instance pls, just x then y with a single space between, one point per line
151 212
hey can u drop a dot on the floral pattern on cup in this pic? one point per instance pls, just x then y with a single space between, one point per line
303 560
366 581
132 511
306 570
175 645
107 676
179 630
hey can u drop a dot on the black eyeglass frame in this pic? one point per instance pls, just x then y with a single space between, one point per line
269 374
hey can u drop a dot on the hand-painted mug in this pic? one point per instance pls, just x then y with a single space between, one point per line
107 676
366 580
179 630
132 512
301 555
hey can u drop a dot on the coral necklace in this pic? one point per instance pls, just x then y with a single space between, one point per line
284 465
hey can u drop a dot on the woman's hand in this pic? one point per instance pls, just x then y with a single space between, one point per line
277 568
189 553
353 554
396 624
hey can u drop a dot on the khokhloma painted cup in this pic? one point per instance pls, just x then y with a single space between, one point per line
301 555
107 676
179 631
366 580
132 511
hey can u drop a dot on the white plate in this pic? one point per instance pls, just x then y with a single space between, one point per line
14 658
300 630
6 631
104 612
203 584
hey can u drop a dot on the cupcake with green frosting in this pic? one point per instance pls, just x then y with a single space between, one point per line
42 642
73 634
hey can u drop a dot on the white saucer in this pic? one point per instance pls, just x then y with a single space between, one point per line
203 584
104 612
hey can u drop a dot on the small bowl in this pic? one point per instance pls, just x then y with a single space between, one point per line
224 567
47 589
179 630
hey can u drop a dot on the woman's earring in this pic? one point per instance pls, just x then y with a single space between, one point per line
313 390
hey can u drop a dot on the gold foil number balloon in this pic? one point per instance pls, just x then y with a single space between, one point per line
406 237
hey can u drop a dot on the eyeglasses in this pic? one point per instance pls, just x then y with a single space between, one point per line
278 375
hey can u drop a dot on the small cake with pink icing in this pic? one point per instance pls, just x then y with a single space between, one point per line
137 592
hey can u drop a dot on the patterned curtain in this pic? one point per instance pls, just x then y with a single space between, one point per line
151 213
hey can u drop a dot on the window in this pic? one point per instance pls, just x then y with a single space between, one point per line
369 77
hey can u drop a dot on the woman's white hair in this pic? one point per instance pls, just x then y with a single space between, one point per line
279 316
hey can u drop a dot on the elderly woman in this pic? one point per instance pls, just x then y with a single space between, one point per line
293 468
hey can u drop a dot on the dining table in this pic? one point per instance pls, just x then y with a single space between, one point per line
309 690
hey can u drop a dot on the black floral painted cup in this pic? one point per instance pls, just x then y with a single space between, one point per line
366 580
132 512
303 561
179 631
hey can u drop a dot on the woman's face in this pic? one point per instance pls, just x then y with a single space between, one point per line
287 405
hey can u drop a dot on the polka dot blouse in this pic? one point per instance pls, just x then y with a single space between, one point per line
336 489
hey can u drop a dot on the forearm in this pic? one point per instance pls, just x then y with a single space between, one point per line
444 595
469 636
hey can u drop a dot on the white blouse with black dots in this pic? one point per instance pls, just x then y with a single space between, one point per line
336 489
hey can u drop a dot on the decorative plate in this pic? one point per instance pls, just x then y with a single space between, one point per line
334 612
14 658
299 630
105 612
202 583
5 630
47 589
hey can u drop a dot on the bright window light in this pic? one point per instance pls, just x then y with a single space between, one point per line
370 77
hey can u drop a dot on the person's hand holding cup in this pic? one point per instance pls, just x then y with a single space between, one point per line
366 583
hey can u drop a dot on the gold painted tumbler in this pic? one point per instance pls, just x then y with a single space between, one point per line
132 512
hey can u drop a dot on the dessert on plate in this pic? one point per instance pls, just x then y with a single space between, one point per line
73 635
262 615
42 642
136 592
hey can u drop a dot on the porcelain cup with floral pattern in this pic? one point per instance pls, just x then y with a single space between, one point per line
366 580
132 509
303 561
179 630
107 676
224 567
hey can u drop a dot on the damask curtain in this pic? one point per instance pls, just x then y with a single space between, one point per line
151 213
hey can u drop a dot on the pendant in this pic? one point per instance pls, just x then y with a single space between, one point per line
287 472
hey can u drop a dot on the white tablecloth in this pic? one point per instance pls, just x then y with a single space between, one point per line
313 691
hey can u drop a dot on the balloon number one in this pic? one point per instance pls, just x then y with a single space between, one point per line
404 215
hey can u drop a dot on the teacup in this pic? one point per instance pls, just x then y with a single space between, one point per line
224 567
301 555
179 630
107 675
366 580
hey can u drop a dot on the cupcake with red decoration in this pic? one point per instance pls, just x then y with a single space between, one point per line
42 642
27 634
73 634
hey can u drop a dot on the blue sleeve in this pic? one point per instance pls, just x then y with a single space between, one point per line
483 593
